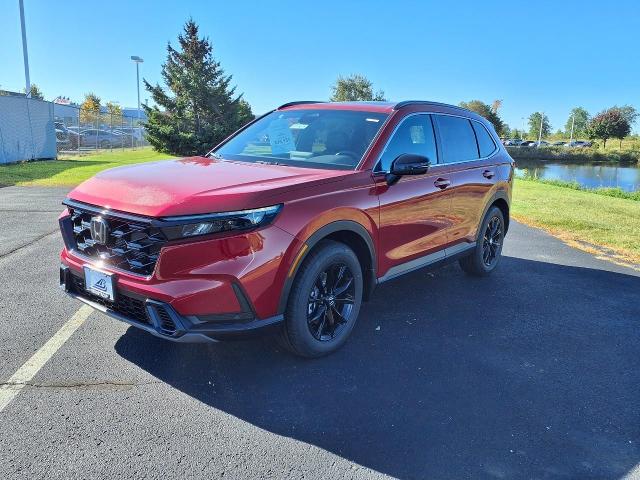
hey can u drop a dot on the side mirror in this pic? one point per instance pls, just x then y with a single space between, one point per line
407 164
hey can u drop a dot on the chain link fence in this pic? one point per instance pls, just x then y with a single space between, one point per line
79 130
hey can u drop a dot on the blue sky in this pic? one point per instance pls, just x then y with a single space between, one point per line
548 56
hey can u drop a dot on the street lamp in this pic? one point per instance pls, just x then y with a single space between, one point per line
137 60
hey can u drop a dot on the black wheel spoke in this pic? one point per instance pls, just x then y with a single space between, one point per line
345 300
492 241
331 302
339 317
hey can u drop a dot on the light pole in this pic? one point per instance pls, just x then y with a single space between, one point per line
138 60
24 50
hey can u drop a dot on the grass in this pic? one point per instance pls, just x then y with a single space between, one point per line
580 216
71 170
608 191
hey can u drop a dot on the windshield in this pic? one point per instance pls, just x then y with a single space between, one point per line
334 139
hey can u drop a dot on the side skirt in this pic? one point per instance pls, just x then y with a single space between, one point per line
432 260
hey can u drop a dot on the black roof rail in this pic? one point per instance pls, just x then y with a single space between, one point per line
300 102
425 102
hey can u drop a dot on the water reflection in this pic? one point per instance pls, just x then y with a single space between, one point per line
589 175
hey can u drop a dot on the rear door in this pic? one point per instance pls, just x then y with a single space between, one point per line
415 212
468 149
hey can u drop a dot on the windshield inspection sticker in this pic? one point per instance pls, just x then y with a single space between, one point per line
280 137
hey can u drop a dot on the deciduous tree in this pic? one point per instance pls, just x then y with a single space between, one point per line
114 109
490 112
35 92
355 88
607 124
580 118
534 125
200 107
90 108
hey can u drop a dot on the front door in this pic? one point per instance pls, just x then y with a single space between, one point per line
414 212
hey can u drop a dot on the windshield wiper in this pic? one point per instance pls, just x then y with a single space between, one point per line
215 155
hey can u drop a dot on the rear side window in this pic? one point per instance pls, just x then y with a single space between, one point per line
485 143
457 138
414 135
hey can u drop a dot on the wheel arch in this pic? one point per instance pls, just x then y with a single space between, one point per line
500 199
348 232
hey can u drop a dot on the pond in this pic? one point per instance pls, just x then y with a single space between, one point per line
589 175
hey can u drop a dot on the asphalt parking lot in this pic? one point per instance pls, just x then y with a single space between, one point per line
531 373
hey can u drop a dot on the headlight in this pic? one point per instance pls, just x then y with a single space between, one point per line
192 226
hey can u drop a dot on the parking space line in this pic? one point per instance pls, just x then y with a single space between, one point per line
12 387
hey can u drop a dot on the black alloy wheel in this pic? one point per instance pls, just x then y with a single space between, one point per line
492 241
331 301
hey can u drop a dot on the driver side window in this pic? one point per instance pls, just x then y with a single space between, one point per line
414 135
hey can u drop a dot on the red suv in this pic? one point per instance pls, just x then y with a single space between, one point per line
290 223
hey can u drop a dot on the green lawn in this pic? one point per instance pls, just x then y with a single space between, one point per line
71 170
580 216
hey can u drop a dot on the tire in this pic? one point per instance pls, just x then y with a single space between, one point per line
104 145
324 303
487 253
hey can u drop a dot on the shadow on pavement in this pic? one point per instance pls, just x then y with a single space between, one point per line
532 372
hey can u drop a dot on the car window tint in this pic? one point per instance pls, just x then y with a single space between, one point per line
457 138
414 135
485 143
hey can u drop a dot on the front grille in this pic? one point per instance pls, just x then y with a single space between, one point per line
129 307
129 245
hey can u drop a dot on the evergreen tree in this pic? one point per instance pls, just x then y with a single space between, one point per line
201 107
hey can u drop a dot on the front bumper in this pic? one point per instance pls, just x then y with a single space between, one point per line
161 319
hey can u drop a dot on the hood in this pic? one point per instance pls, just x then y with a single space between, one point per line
194 185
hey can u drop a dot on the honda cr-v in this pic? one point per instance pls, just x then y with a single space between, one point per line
290 223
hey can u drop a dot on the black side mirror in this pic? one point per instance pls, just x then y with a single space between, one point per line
407 164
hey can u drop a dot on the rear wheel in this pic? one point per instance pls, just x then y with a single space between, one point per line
324 301
488 250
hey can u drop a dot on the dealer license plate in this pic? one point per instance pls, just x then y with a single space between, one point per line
99 283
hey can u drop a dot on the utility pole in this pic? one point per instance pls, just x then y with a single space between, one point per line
24 50
540 134
573 120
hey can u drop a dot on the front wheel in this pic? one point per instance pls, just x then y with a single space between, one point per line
324 301
488 250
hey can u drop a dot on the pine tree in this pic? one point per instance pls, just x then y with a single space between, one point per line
201 108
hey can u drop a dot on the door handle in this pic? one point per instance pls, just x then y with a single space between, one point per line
488 174
442 183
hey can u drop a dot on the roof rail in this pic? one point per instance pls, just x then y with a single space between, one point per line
301 102
425 102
